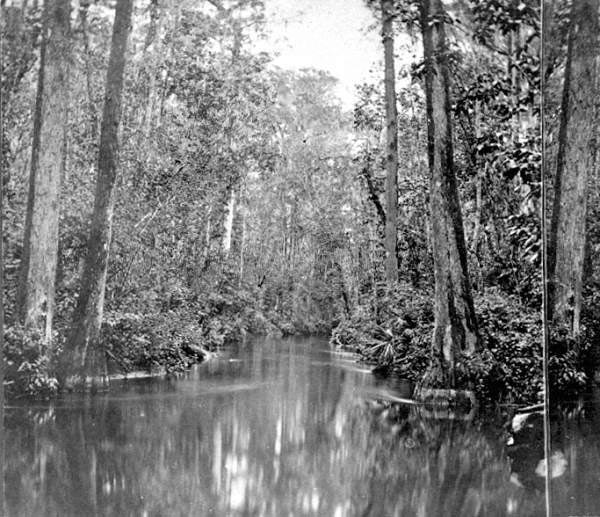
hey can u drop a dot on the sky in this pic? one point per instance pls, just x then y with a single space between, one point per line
333 35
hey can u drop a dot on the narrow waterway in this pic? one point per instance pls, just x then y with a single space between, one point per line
270 428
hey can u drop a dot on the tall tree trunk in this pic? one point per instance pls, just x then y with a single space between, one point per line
574 161
83 16
83 347
2 463
228 224
373 269
242 246
481 173
151 74
40 244
455 330
514 46
391 161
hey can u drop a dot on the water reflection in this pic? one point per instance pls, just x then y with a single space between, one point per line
576 443
274 429
2 461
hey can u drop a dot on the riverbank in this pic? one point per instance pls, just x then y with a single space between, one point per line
170 335
394 337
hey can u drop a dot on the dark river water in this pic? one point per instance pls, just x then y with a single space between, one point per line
282 428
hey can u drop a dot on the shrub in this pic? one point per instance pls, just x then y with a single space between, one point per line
567 362
399 341
28 359
512 334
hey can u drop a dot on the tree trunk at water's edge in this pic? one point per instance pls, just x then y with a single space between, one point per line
576 148
83 355
2 462
40 244
455 331
391 160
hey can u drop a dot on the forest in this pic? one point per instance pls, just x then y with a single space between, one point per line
168 190
208 258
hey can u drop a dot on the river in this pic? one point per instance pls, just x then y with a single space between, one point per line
277 428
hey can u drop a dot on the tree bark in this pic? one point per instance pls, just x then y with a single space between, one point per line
83 347
576 146
455 330
481 174
242 246
40 244
391 162
2 463
83 15
228 224
151 74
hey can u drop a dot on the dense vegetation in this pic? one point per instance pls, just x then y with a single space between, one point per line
570 75
494 93
239 198
231 206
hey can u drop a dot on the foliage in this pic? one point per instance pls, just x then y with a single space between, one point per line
495 87
512 334
27 360
398 338
135 343
208 119
574 360
499 149
508 369
205 117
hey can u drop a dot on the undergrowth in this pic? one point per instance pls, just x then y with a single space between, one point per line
170 331
394 334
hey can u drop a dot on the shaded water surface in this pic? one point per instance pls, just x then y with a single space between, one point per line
273 428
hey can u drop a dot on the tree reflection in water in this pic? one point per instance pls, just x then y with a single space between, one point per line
289 430
2 460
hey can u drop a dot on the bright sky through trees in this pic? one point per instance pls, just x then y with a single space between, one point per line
331 35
